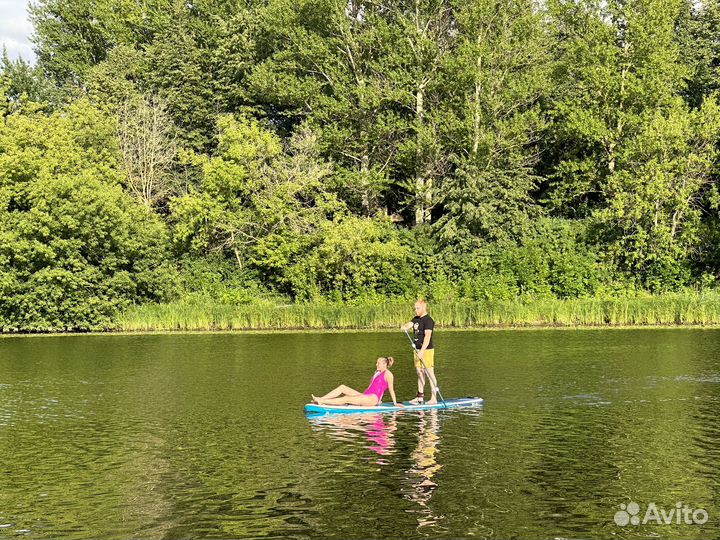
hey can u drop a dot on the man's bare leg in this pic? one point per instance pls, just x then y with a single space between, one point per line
433 386
420 385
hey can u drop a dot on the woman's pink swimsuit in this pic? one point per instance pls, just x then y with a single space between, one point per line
377 387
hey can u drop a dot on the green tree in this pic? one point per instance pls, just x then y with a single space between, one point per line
635 157
24 83
428 40
74 249
618 62
119 78
329 64
71 37
499 73
697 32
193 55
655 198
256 204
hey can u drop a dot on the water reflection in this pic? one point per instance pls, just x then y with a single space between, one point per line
377 430
421 475
419 444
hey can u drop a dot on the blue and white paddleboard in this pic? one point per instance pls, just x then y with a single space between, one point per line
313 408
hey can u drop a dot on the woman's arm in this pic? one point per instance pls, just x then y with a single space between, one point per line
390 378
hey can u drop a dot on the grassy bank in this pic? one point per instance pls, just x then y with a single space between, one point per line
669 309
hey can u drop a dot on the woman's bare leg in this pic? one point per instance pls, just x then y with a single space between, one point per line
339 391
360 399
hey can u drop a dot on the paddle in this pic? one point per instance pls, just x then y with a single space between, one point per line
427 373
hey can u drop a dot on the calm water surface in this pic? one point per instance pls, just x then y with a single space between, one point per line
204 436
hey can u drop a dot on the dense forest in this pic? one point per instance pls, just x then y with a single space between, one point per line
329 151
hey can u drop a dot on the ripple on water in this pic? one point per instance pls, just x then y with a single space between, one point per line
203 436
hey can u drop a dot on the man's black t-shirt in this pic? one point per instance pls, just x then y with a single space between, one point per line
420 325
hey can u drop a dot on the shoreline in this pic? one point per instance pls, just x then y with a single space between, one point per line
313 330
687 309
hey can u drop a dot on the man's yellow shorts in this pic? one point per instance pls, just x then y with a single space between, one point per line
428 359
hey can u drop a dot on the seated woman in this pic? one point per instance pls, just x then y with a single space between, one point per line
382 380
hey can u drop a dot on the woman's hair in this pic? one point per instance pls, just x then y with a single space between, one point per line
389 360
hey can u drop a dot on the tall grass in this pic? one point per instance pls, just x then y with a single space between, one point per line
688 308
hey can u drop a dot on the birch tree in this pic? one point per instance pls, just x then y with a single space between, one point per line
637 160
500 73
149 148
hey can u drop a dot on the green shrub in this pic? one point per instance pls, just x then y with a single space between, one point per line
74 248
555 261
356 258
219 280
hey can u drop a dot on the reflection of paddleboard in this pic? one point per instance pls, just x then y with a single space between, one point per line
387 407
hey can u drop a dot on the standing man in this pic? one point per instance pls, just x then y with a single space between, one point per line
423 326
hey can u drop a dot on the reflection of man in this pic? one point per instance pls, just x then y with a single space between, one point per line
424 455
425 466
423 326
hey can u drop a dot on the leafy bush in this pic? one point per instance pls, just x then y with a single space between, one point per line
219 280
73 247
555 261
354 258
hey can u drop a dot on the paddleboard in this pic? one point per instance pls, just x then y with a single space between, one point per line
314 408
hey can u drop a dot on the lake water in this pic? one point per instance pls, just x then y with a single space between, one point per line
204 436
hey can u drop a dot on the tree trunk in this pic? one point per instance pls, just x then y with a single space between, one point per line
364 168
476 108
420 182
